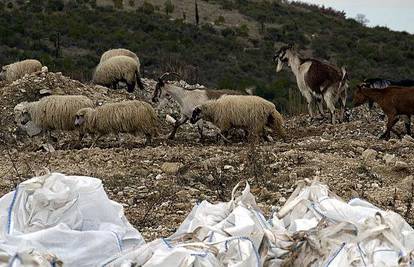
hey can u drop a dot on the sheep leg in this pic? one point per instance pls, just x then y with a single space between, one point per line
131 87
265 137
118 139
177 124
392 120
200 126
148 139
139 82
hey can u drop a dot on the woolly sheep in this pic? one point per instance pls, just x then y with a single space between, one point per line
115 69
122 117
251 113
17 70
119 52
56 112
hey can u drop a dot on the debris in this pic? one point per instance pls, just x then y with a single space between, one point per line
389 159
369 154
170 167
401 165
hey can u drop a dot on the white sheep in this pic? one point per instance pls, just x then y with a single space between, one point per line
119 52
115 69
250 113
122 117
56 112
187 99
17 70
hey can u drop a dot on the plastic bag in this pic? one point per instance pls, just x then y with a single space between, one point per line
68 216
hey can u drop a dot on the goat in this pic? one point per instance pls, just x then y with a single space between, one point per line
316 80
186 99
384 83
393 100
379 83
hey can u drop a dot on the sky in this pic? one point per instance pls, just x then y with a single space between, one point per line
397 15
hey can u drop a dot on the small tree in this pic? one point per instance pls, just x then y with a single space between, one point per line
197 16
169 7
361 18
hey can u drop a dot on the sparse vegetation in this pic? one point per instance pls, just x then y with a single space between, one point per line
224 56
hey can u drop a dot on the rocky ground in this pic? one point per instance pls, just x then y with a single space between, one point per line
159 184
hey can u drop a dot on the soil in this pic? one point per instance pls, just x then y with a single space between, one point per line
159 184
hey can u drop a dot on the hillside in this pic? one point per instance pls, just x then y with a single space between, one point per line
232 47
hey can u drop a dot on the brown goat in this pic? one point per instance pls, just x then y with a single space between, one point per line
393 100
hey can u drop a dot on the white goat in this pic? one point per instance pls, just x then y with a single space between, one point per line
187 100
316 80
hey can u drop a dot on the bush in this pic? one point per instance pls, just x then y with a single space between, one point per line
220 20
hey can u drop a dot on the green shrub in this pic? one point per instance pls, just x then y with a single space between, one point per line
220 20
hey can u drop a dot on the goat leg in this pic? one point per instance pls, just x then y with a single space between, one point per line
320 107
390 123
176 125
221 135
96 140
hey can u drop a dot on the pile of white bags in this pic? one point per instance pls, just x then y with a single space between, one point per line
326 231
67 216
58 219
314 228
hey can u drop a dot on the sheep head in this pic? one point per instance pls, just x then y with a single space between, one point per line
281 57
3 75
197 115
81 115
160 84
21 114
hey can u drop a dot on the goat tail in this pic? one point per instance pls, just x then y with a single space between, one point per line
344 74
276 122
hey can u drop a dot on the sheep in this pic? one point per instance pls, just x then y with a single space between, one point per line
56 112
187 99
123 117
316 80
119 52
119 68
393 100
251 113
17 70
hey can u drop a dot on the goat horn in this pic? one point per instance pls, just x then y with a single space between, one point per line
167 74
163 76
